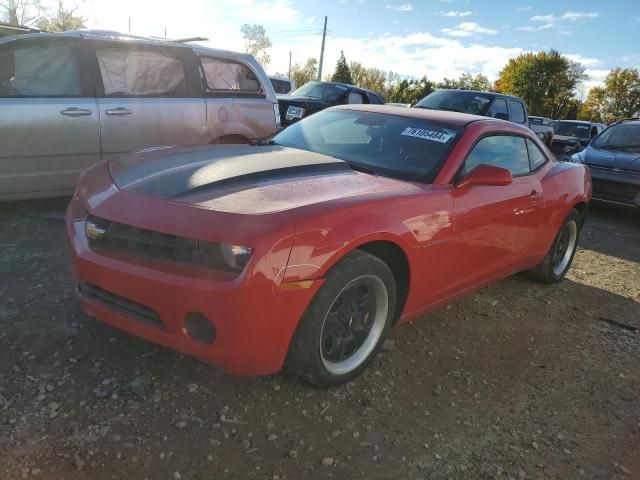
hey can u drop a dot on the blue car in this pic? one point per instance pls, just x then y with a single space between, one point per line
614 160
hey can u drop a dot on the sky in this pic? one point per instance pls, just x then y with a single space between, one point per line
437 38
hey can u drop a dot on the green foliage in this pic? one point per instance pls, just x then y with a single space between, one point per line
410 91
342 73
467 82
370 78
62 20
306 73
618 99
546 81
256 42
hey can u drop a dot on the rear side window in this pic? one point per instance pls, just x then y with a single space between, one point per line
227 76
536 157
517 111
504 151
128 71
499 106
39 70
280 86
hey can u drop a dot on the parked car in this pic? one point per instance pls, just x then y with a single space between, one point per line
487 104
304 250
571 136
282 85
542 126
68 100
614 160
315 96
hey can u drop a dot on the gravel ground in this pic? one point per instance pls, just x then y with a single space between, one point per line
519 380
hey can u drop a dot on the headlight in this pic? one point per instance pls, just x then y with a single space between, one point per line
223 256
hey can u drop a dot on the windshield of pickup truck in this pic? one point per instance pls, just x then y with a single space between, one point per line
456 101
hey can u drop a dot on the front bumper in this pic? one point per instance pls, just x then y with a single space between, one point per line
618 187
253 317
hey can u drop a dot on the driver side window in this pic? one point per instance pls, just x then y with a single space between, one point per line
504 151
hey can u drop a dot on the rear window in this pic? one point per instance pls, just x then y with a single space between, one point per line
281 86
39 70
390 145
456 101
135 71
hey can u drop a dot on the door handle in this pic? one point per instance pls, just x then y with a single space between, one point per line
75 112
120 111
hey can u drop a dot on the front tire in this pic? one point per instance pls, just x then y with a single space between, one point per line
346 322
557 261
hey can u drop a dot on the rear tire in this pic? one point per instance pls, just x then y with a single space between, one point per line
557 261
345 324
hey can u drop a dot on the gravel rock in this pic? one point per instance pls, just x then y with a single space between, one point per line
327 461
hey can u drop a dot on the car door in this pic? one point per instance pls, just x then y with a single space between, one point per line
516 112
49 130
148 95
241 104
494 226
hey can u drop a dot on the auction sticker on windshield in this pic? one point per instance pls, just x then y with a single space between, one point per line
426 134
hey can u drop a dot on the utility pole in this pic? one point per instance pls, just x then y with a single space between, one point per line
129 24
324 34
289 64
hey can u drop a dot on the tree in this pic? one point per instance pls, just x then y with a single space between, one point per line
342 73
410 91
467 82
257 42
593 107
20 12
62 20
302 75
619 97
372 79
546 81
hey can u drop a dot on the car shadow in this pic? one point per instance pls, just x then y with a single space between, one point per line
612 230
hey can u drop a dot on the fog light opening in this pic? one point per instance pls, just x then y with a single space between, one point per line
199 328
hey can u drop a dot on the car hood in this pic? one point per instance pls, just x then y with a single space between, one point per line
612 159
244 179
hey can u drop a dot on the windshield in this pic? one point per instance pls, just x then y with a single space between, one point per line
456 101
389 145
624 137
329 92
571 129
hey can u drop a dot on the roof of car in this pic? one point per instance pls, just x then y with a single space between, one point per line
488 94
348 85
452 118
576 121
114 35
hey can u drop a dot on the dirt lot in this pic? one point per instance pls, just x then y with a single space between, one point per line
516 381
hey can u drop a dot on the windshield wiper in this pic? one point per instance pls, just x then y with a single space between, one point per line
423 106
361 168
447 109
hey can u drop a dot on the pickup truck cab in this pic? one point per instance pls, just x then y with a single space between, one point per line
487 104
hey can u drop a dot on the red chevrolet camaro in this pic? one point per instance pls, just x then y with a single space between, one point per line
303 251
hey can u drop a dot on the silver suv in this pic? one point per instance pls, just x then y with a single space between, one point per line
68 100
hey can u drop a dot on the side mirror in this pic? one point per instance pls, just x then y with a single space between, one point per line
486 175
501 116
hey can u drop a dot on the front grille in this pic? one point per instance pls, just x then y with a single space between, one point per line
120 304
615 191
139 242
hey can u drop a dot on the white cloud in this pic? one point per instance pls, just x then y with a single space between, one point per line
456 13
468 29
585 61
407 7
531 28
579 15
543 18
596 78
